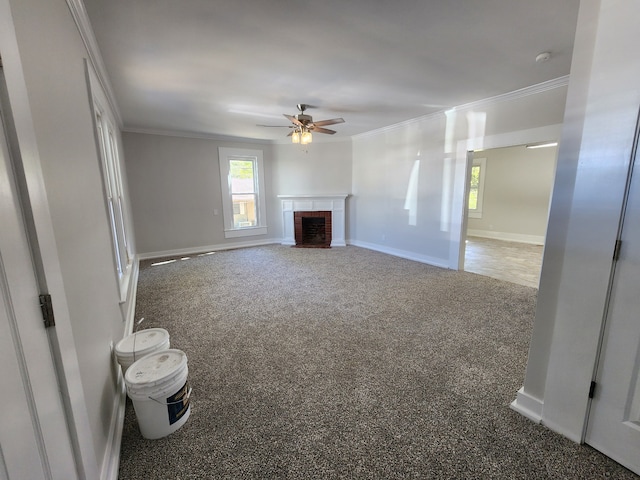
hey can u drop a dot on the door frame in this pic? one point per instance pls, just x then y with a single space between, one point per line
33 199
464 158
633 168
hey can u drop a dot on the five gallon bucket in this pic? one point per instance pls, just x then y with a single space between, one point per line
140 344
158 387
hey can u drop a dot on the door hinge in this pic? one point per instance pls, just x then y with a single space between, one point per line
592 389
616 250
47 310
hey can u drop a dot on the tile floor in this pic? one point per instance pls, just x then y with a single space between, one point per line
510 261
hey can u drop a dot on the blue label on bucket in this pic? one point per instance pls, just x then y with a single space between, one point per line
178 404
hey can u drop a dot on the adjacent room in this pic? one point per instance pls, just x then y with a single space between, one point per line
317 203
509 197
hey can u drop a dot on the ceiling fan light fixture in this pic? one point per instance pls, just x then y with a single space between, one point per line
295 137
306 137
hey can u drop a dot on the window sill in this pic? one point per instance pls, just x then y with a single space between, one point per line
475 214
245 232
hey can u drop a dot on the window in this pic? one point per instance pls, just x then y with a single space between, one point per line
242 187
476 187
115 197
113 189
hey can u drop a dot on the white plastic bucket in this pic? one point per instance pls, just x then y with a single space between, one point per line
158 387
140 344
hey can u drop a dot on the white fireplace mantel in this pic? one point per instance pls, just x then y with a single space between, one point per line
334 203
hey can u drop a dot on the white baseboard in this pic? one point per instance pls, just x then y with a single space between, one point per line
437 262
206 248
509 237
111 459
528 406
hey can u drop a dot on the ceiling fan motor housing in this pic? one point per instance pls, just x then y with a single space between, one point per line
302 118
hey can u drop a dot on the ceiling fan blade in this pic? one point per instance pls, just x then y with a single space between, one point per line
291 133
293 119
333 121
322 130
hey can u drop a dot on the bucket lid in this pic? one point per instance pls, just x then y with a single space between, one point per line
141 342
156 369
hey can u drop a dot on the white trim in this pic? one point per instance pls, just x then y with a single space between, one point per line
111 458
63 344
528 406
198 135
482 163
225 155
331 196
511 139
111 175
436 262
129 314
245 232
206 248
514 95
85 29
508 237
335 203
517 94
517 137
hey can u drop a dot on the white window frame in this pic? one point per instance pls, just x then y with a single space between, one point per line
477 212
225 155
114 198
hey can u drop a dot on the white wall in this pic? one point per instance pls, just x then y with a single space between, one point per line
594 155
383 162
318 168
517 192
175 190
47 87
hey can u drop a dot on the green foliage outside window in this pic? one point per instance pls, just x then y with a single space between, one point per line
241 168
473 187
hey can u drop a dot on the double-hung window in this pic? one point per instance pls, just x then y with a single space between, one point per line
242 186
476 187
114 197
112 182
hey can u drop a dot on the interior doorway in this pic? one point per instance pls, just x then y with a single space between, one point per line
507 211
35 440
614 415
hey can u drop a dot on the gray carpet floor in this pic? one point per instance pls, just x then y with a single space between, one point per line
346 363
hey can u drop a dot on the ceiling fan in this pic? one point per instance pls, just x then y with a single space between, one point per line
303 125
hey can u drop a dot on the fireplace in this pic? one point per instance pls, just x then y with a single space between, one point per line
312 229
331 208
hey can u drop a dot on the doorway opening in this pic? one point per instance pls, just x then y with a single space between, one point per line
507 212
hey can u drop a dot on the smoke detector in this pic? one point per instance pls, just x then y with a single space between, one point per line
543 57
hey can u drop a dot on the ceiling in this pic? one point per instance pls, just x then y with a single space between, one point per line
221 67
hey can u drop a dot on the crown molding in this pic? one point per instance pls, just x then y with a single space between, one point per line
81 19
203 136
514 95
224 138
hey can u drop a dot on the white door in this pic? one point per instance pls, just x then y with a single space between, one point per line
34 438
614 421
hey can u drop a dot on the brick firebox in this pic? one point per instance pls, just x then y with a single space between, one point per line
312 229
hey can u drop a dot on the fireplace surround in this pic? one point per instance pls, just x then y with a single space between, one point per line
334 204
